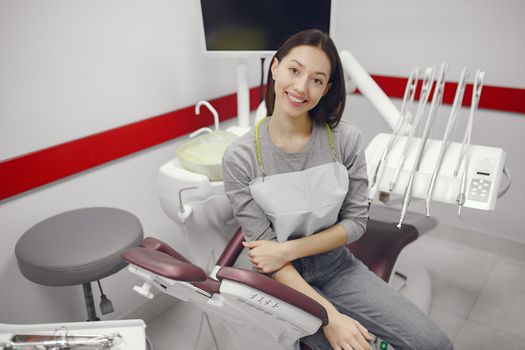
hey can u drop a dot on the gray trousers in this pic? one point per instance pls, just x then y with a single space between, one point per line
357 292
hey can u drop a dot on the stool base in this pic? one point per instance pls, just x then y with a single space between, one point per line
90 304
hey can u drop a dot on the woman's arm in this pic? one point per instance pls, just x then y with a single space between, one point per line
321 242
270 256
353 215
341 329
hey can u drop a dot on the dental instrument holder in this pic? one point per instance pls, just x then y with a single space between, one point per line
485 163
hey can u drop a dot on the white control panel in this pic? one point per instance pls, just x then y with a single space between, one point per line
483 175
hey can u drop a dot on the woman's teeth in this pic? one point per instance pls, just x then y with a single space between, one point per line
296 100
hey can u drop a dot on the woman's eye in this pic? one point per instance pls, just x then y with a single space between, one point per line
293 70
318 81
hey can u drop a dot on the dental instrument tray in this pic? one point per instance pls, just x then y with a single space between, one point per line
484 173
103 335
203 154
61 341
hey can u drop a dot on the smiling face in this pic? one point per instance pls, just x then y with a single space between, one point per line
301 80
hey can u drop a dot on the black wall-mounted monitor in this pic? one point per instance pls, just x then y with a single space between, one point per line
243 28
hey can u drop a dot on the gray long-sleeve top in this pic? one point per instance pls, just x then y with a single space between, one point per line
240 166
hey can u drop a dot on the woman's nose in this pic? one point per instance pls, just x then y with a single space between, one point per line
300 86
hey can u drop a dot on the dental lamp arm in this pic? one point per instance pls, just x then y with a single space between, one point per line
369 88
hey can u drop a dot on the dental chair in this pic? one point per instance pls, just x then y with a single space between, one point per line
257 309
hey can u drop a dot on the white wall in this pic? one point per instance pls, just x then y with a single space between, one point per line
391 37
73 68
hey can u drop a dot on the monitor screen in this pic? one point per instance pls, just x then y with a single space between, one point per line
259 25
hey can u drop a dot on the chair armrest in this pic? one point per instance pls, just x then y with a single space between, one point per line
275 289
164 265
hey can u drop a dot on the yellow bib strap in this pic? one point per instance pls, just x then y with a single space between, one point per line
330 139
258 144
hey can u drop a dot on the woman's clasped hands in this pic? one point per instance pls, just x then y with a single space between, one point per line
267 256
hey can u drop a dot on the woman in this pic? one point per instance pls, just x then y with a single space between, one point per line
298 186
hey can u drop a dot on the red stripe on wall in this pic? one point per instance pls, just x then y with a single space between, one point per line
18 175
492 97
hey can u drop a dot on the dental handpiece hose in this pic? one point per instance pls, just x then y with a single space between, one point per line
458 99
465 147
423 98
408 100
436 102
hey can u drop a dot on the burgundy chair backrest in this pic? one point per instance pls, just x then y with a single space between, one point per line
157 244
381 244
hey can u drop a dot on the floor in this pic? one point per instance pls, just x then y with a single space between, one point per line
478 294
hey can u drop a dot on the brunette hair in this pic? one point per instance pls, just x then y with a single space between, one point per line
330 107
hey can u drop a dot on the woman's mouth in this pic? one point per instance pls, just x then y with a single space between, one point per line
294 100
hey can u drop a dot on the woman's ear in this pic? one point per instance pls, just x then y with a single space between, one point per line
273 67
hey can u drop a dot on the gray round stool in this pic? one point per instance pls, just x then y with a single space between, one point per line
78 247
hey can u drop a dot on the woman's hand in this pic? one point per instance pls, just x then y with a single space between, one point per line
267 256
345 333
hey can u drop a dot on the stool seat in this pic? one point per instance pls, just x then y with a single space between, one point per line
78 246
